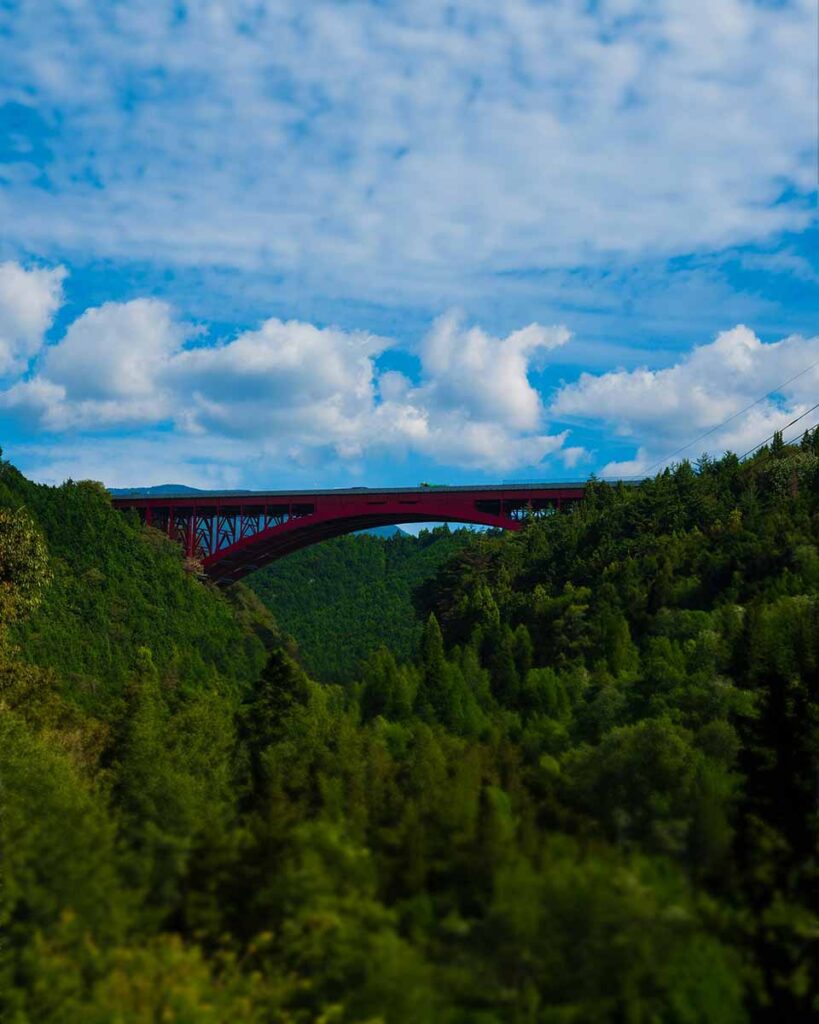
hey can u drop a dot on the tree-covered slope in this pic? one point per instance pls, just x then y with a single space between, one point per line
590 797
116 587
344 598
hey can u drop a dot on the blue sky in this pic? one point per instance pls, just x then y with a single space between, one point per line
287 244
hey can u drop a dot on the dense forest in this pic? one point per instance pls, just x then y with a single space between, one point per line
591 796
345 598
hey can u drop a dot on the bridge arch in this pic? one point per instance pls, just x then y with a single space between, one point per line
255 552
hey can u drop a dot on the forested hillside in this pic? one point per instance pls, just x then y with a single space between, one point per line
591 797
345 598
115 589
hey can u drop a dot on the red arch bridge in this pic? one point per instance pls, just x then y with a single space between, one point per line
232 533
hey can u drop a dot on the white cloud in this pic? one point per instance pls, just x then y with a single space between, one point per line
574 456
629 469
115 351
667 408
456 441
474 405
28 301
486 376
392 150
292 391
106 371
285 377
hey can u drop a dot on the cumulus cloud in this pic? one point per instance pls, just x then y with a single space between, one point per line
723 384
574 456
285 377
474 405
29 298
115 351
487 376
106 371
294 391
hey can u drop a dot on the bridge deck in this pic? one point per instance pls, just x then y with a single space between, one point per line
126 497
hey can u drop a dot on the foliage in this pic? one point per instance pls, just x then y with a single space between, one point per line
115 589
588 795
23 565
347 597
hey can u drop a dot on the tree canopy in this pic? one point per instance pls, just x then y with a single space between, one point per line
583 790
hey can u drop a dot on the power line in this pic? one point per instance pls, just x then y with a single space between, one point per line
767 454
780 431
741 412
807 430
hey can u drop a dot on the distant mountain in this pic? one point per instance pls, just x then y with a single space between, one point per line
159 490
385 531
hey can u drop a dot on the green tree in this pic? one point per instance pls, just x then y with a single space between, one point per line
24 568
